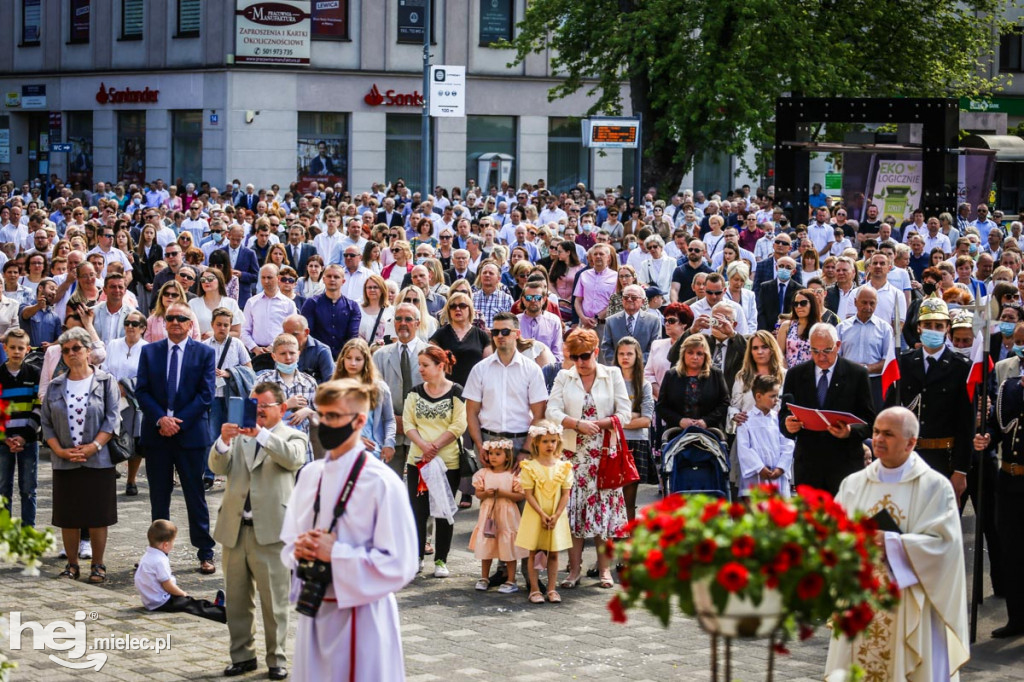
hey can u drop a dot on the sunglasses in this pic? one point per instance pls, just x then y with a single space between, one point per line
172 254
134 323
414 301
533 297
185 275
207 280
501 332
177 318
582 356
171 294
782 242
107 236
73 349
800 304
446 236
695 250
709 292
459 306
396 250
287 280
405 318
671 320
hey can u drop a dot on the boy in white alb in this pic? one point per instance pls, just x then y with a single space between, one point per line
155 582
764 454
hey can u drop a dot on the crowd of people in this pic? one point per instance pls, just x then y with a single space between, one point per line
516 326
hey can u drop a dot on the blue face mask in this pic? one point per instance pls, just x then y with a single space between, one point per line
932 338
972 249
421 261
1018 351
784 275
632 245
287 368
218 237
1006 328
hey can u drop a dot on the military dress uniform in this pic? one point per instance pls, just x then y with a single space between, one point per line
1006 430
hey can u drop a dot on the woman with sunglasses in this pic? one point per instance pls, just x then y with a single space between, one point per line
793 335
185 241
170 293
467 342
444 248
312 284
123 364
583 399
396 272
214 295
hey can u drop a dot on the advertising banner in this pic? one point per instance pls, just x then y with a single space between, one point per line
447 90
272 32
330 19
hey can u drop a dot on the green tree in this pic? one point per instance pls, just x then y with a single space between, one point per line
705 73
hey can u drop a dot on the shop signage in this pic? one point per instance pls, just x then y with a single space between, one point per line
1013 106
12 100
61 147
272 32
112 95
495 21
392 98
447 91
33 96
610 132
411 20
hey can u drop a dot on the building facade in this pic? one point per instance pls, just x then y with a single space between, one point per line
129 90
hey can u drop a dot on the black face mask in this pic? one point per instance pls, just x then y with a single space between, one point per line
928 288
332 436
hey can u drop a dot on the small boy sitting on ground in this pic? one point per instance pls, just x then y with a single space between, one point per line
155 582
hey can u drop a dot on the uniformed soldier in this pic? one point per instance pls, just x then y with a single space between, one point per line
1005 429
933 385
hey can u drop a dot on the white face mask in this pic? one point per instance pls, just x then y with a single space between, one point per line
966 352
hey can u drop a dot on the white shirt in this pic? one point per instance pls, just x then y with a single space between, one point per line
820 235
154 568
327 244
204 314
165 235
940 241
354 281
506 393
114 254
197 228
890 299
237 355
702 307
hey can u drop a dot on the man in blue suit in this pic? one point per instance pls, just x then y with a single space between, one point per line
244 264
175 390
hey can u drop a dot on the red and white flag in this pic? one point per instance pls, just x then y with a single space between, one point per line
977 356
890 370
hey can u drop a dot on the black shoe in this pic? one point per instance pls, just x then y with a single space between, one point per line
236 669
219 599
131 490
1009 630
499 577
278 673
207 484
593 573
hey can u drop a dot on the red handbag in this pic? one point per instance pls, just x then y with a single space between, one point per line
616 467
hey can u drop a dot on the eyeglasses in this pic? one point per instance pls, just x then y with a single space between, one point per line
533 297
170 294
458 306
186 276
107 235
405 318
134 323
396 251
634 297
695 250
501 332
671 320
351 255
446 236
823 351
177 318
172 254
801 304
414 301
582 356
709 292
286 280
783 242
73 349
207 280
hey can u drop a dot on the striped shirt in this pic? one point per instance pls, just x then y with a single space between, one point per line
21 393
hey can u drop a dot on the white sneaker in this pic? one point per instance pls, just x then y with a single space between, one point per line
440 570
508 588
84 549
483 585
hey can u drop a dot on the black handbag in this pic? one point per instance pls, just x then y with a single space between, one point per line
120 447
468 462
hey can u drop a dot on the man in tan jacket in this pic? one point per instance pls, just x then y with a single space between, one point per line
259 464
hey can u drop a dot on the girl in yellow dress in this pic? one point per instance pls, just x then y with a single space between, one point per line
546 479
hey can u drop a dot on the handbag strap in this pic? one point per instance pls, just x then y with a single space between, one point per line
376 324
620 434
620 437
224 353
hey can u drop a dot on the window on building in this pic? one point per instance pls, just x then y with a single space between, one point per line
131 146
187 146
329 20
80 158
568 159
411 24
496 22
403 149
189 18
488 135
132 19
1011 54
323 147
31 21
78 22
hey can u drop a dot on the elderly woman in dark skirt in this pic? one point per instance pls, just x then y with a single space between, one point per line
80 416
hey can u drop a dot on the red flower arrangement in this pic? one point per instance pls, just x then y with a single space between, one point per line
822 562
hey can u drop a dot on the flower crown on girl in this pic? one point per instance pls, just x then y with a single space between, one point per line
497 445
544 428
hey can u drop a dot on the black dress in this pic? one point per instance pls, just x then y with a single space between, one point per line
467 352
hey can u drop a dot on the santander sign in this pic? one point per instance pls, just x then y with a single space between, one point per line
392 98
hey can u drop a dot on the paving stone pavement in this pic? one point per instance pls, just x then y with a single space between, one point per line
449 630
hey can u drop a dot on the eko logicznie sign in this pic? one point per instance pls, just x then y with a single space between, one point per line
272 32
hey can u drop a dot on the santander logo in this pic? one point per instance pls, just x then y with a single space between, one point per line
391 98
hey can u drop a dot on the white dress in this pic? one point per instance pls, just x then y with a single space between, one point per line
374 557
759 444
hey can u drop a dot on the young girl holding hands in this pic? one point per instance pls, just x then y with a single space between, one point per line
498 490
546 480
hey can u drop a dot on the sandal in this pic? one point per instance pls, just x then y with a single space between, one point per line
536 598
98 574
428 548
607 582
570 583
70 571
554 597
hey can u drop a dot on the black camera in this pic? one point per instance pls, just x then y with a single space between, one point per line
315 576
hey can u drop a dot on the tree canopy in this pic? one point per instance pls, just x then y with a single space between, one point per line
705 73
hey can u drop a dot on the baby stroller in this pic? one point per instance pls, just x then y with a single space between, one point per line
695 461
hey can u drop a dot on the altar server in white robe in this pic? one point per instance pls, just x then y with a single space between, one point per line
925 639
372 550
763 453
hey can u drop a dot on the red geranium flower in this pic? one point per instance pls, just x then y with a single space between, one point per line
736 511
706 551
743 547
684 563
810 586
617 609
655 564
781 513
829 558
711 511
806 632
734 576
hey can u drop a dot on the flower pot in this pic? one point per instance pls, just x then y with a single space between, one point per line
740 618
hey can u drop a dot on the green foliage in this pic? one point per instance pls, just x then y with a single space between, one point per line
22 544
705 73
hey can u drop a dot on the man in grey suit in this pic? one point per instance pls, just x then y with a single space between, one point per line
260 469
642 325
399 367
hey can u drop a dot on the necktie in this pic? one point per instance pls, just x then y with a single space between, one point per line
406 372
295 256
629 325
929 363
172 378
782 298
248 500
822 388
718 359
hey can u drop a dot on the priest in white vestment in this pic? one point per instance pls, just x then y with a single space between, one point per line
372 549
925 639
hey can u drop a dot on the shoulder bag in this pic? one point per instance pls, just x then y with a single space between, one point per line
616 467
